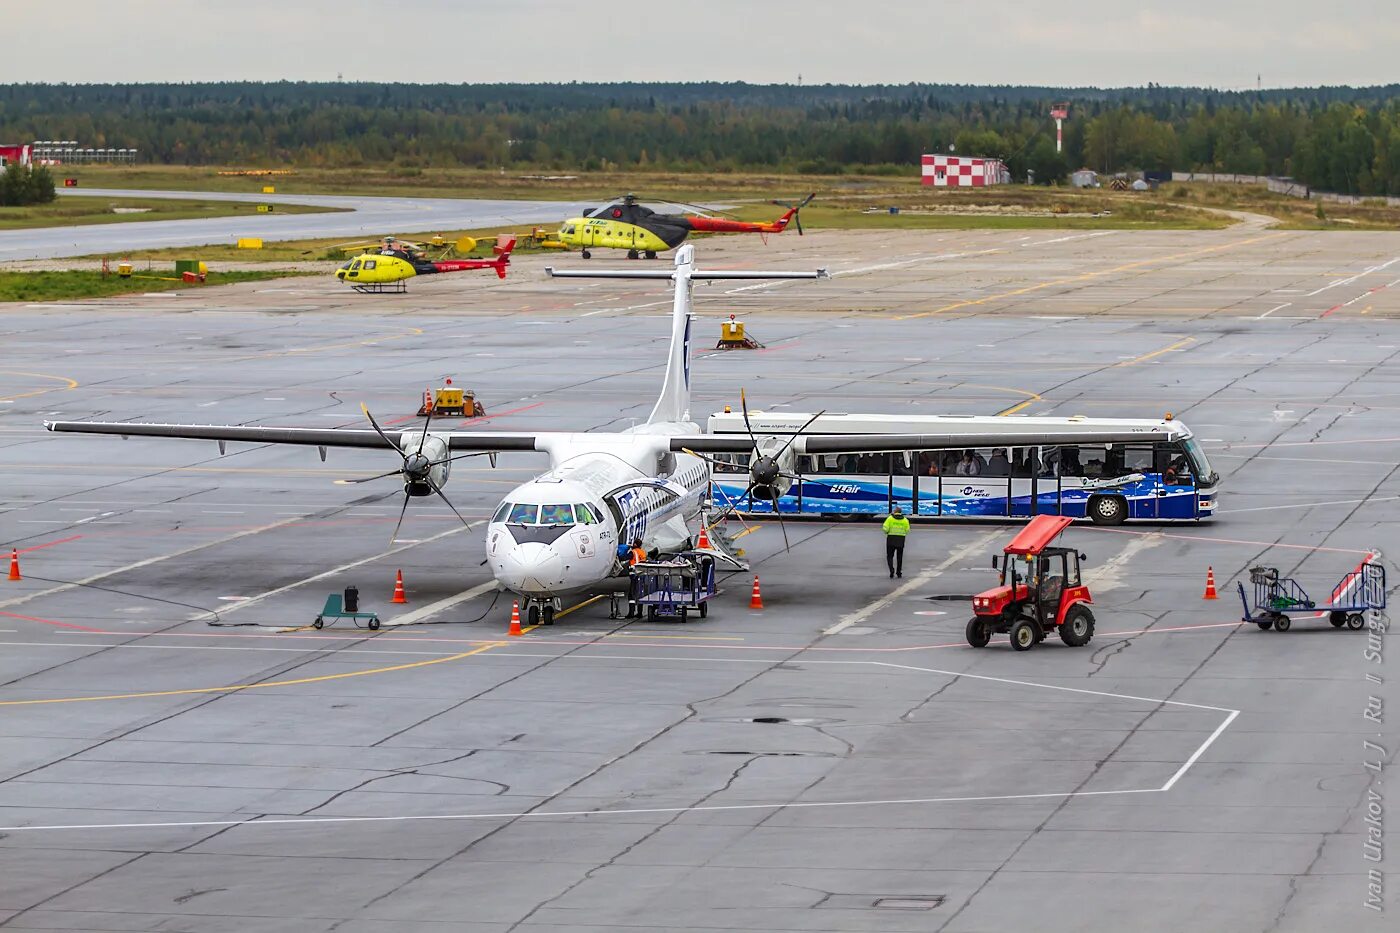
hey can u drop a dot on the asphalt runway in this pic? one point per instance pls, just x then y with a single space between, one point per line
839 760
352 216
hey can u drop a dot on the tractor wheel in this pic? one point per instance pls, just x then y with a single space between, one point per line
978 634
1078 627
1024 634
1356 621
1282 623
1338 619
1108 510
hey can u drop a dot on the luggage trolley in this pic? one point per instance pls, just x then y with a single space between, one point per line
673 588
1276 596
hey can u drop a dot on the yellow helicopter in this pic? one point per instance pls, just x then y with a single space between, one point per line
641 231
388 266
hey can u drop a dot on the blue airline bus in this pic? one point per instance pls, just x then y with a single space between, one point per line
1106 483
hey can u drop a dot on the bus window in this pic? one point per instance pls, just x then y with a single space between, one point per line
873 464
998 464
1025 461
903 463
1061 461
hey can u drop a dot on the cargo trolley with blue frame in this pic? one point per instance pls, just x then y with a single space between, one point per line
1276 596
673 589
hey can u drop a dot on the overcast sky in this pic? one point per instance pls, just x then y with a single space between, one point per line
1218 43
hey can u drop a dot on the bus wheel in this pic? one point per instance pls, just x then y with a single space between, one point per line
1024 635
978 634
1078 627
1108 510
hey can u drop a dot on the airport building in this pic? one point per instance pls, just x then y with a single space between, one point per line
950 171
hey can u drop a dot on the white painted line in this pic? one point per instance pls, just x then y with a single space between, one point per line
1109 575
1348 281
252 600
408 618
1307 505
1272 310
1231 714
860 615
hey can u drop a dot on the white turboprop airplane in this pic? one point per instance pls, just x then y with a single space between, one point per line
558 534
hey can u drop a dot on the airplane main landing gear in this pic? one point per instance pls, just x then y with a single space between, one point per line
632 254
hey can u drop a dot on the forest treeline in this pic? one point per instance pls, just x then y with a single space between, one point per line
1336 138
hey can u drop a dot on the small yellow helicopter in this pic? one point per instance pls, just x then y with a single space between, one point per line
641 231
388 266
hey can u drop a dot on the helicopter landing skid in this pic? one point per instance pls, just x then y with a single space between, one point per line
381 288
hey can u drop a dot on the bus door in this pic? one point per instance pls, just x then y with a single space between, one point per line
1027 484
902 480
1176 495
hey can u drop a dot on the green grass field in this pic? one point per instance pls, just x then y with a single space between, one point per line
70 211
60 286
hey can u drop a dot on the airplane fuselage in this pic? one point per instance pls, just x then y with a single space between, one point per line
559 533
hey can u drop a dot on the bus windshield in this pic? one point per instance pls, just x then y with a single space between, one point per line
1205 475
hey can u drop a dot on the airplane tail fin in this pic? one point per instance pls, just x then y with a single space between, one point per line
673 404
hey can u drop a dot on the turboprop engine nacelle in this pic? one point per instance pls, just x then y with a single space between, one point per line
424 464
771 469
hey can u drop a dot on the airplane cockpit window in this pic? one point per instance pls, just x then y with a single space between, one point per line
522 514
553 514
501 512
587 515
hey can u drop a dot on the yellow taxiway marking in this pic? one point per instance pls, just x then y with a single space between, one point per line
747 531
969 302
72 384
271 683
587 602
1155 353
1366 310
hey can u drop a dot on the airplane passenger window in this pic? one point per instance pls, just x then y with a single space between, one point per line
559 514
524 514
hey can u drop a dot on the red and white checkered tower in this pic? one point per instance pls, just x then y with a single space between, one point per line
1061 113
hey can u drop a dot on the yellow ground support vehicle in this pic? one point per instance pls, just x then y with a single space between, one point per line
450 400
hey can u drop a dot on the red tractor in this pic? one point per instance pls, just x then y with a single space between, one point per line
1040 590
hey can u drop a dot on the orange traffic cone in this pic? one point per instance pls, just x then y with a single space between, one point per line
1210 584
703 542
14 564
399 596
514 619
756 601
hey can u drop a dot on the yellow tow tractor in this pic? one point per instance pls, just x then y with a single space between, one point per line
450 400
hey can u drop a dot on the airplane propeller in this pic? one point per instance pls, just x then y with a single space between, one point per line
417 469
764 470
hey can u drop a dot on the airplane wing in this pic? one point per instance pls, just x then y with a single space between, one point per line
312 437
873 443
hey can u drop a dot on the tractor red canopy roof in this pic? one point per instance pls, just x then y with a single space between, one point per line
1037 534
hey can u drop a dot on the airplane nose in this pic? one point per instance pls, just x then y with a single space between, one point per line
531 568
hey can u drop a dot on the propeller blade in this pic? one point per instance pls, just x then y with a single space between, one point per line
437 489
710 460
800 431
380 431
480 453
782 525
744 404
394 537
424 439
367 479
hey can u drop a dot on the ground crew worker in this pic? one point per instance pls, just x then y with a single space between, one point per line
896 529
635 555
